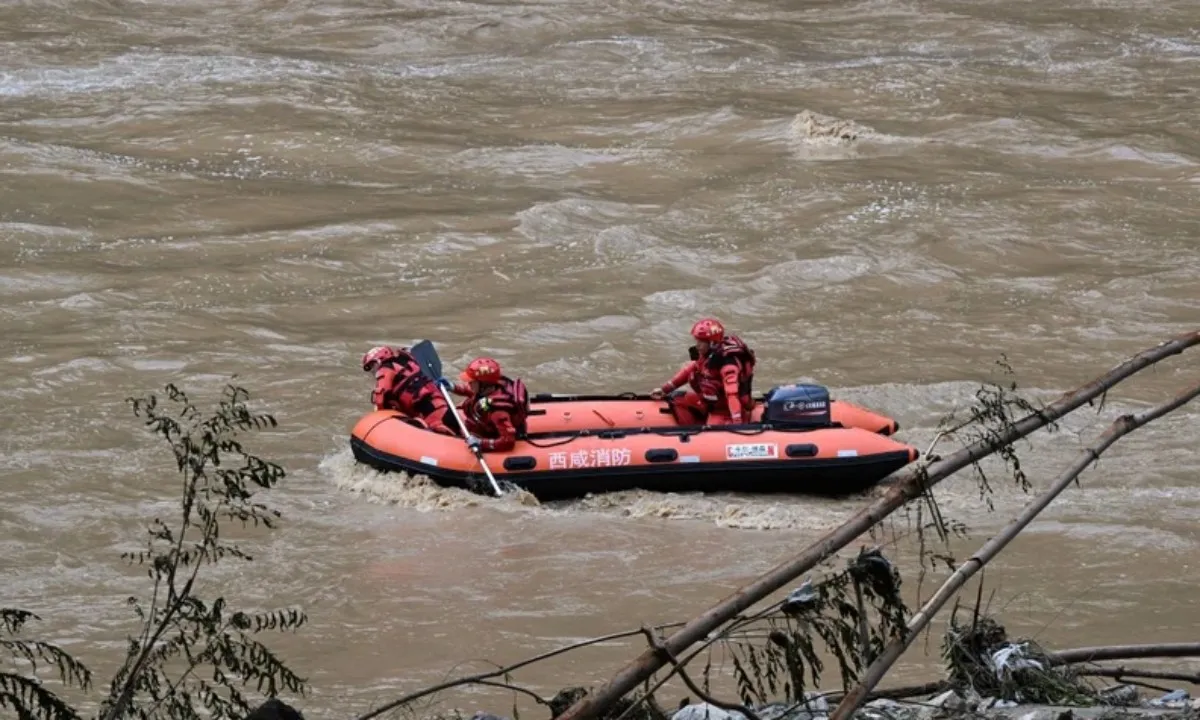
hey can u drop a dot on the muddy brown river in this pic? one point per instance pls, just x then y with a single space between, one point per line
879 196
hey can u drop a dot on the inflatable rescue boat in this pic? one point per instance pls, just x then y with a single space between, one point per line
798 440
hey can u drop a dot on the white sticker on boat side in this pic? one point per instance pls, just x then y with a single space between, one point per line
429 460
689 458
590 458
752 451
847 453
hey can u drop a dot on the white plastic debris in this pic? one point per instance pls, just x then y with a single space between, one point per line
705 711
1012 657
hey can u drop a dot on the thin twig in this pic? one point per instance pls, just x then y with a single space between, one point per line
911 482
657 645
903 691
1141 683
478 679
734 627
1121 427
514 688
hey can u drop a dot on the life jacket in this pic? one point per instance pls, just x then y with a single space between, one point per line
509 396
400 384
706 379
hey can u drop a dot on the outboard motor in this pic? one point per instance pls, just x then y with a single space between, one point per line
797 406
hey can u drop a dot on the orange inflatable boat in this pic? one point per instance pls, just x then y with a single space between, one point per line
798 441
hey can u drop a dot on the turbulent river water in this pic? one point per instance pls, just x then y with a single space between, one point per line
880 196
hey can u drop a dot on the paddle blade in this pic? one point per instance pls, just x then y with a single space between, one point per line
427 356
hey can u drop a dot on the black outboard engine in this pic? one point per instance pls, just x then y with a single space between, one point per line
797 406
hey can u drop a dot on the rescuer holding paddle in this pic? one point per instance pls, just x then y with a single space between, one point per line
496 406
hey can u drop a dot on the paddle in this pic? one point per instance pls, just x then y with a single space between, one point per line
431 367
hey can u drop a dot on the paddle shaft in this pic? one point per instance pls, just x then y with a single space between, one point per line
478 454
431 367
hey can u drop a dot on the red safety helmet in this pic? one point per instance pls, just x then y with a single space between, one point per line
377 356
708 329
484 370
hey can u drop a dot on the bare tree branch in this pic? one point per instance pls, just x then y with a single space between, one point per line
481 678
911 482
687 680
1121 427
515 688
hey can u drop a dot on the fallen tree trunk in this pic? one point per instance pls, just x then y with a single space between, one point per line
1123 652
909 483
1121 427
